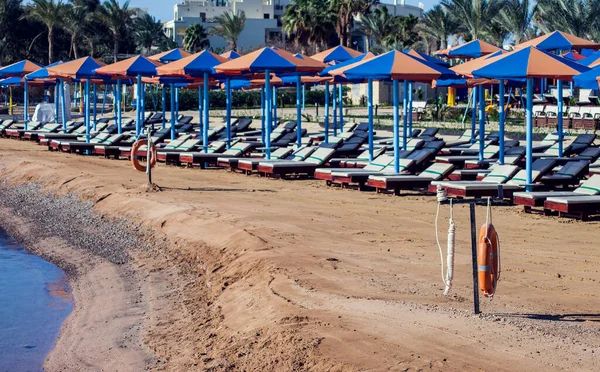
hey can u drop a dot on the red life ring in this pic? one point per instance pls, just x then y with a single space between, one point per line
135 159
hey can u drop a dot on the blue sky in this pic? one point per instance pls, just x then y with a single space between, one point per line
163 9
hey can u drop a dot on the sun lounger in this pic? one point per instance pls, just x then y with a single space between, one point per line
206 159
377 165
490 152
499 176
461 140
307 167
232 163
531 200
436 172
251 165
361 161
14 132
573 206
361 176
568 175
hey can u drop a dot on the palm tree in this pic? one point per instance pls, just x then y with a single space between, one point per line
516 18
76 20
376 26
475 15
346 11
147 31
576 17
90 5
310 21
195 38
117 19
438 24
230 27
50 13
403 35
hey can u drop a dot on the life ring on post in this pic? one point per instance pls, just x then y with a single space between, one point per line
135 159
488 260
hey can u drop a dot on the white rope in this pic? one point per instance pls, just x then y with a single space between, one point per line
448 276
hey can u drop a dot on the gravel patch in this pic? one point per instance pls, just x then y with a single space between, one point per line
73 220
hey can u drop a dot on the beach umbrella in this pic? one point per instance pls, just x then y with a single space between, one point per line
267 61
170 55
21 69
588 79
232 54
472 49
591 60
82 68
40 74
573 56
428 58
134 67
200 65
558 40
396 66
527 64
334 56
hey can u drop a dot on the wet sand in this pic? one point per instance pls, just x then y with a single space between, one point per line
253 273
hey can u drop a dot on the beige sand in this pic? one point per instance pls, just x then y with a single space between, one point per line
290 275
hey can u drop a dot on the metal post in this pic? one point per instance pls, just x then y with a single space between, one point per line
299 107
267 142
326 123
474 258
173 115
64 105
95 105
263 111
481 122
274 105
341 105
335 109
473 114
529 133
501 119
119 107
404 116
164 109
410 107
559 87
370 109
87 110
228 114
396 85
205 124
25 103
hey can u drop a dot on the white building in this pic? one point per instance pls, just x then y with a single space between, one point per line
263 19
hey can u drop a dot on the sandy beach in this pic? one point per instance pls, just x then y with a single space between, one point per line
221 271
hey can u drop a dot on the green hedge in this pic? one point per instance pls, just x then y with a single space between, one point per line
188 99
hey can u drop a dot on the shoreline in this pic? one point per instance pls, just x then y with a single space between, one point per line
241 272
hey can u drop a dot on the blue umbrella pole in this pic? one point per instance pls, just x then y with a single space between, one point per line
104 98
138 119
335 109
228 114
57 99
119 108
299 87
177 103
481 122
63 105
326 123
173 115
341 97
370 109
501 119
396 90
87 111
274 104
303 97
206 115
529 133
410 107
95 105
473 114
404 116
25 103
268 119
263 111
164 108
559 121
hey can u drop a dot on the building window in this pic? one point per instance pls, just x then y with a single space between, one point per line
203 17
267 16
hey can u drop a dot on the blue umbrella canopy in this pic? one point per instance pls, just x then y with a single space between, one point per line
428 58
558 40
396 65
232 54
472 49
170 55
530 62
132 67
43 72
21 68
588 79
13 81
592 60
81 68
269 59
195 65
336 54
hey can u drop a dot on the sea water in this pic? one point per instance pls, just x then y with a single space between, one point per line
34 301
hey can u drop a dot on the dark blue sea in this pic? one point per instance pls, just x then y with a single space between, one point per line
35 299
